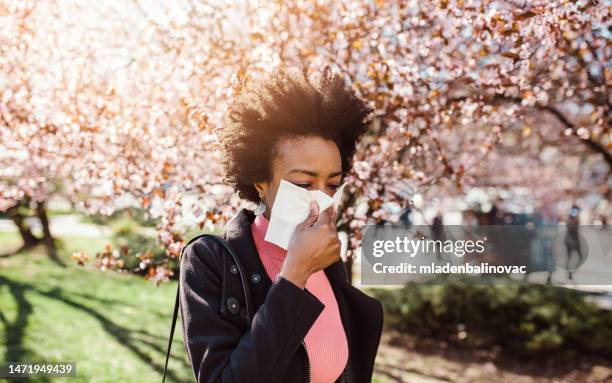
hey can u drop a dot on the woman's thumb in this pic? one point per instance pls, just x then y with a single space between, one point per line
313 213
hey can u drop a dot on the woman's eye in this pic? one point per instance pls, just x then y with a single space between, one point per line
305 186
333 187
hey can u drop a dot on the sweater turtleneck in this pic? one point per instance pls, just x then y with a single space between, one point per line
326 342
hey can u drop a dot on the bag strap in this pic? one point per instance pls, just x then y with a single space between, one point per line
174 316
245 289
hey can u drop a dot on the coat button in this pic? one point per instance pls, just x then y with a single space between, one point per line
232 305
234 269
255 278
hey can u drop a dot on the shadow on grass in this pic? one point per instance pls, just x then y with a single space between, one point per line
116 302
106 301
50 251
19 250
129 339
16 350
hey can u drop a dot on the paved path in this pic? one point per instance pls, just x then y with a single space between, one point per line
61 225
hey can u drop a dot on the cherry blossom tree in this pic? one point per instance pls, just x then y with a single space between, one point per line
120 102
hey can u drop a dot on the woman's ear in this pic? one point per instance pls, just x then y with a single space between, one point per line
262 188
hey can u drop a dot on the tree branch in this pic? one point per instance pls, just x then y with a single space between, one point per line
593 145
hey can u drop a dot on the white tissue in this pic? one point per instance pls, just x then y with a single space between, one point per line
291 206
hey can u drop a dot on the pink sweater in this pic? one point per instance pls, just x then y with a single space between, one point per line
326 342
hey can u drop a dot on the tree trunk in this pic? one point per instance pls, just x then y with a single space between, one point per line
16 213
29 239
47 239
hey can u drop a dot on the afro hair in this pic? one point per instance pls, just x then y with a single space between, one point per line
287 103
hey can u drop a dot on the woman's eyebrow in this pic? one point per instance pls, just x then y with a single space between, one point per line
305 171
313 173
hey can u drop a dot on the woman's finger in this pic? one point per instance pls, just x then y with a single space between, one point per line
325 217
313 214
333 218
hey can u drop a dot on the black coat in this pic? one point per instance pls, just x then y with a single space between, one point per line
220 346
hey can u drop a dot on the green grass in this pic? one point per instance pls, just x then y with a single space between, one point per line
114 326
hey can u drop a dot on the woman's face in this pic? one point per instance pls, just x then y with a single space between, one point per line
309 162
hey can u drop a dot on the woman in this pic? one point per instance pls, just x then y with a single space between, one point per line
309 324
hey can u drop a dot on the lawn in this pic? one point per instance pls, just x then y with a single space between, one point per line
114 326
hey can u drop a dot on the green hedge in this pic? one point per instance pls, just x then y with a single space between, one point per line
522 318
133 245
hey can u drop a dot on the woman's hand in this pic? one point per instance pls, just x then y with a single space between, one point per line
313 246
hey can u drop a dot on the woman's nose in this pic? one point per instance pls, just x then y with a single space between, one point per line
323 187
